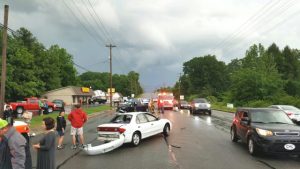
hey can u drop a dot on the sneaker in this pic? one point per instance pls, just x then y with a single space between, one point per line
81 146
73 147
60 147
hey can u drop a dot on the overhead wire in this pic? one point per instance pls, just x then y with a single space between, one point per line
91 25
267 6
263 23
83 26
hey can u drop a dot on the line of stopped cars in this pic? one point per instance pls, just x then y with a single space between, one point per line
129 127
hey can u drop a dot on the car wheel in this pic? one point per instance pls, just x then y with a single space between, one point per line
252 148
233 135
136 139
20 110
166 131
50 109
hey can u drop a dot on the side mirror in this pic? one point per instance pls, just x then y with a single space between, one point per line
157 118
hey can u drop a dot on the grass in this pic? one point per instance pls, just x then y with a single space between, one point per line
222 107
37 120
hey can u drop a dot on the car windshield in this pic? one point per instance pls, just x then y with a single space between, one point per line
123 119
270 116
201 101
183 102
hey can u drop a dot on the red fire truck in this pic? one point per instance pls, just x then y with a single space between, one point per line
166 99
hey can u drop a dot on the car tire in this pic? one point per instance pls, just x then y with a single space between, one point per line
136 139
209 113
233 135
19 110
166 131
252 148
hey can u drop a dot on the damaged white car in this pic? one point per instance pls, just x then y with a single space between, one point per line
128 128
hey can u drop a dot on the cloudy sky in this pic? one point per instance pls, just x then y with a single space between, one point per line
155 37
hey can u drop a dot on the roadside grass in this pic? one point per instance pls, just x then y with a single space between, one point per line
222 107
37 120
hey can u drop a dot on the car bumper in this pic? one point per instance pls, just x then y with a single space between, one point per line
278 145
103 148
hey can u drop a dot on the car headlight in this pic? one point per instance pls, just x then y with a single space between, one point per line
263 132
208 105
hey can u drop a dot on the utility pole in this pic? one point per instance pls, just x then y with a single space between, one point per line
3 72
110 76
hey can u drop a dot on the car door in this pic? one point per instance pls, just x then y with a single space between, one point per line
244 126
143 125
154 123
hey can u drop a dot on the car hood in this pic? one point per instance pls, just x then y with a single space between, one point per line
277 127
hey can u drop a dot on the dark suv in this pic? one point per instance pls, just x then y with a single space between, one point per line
265 130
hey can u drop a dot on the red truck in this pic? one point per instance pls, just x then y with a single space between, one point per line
30 104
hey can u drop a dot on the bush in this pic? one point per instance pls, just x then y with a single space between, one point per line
259 103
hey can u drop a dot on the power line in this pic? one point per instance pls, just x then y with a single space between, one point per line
279 11
85 28
82 15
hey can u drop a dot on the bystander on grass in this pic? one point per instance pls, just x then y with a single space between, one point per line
37 120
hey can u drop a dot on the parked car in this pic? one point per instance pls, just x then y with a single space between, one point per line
59 104
134 126
200 105
145 101
30 104
184 105
291 111
132 105
265 130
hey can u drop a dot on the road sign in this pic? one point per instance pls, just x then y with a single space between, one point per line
113 90
181 97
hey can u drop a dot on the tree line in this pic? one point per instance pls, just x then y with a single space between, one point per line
32 69
262 77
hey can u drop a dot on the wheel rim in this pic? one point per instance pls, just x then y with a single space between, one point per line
136 139
19 110
50 110
250 146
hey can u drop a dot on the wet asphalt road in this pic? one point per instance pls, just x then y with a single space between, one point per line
195 142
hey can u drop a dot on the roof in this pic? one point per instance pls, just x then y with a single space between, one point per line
77 91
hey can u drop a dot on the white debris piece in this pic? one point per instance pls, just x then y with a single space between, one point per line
103 148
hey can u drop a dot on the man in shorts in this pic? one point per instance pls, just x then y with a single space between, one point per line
78 118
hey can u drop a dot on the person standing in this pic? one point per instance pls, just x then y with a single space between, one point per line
46 147
77 117
60 128
8 115
13 148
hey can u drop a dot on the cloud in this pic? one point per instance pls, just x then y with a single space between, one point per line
154 38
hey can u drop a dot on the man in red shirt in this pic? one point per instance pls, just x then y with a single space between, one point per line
77 117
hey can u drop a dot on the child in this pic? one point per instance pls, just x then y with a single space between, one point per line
60 128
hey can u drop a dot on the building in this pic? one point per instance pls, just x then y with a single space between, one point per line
70 94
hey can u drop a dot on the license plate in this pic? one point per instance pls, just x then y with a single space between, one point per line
289 147
108 135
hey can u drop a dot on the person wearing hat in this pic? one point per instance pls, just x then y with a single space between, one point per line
12 154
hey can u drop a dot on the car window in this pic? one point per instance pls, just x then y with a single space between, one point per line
126 118
141 119
151 117
270 116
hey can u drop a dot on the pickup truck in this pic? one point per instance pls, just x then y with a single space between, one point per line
30 104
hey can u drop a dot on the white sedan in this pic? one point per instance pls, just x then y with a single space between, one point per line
128 128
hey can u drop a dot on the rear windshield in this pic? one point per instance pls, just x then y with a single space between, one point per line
123 119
